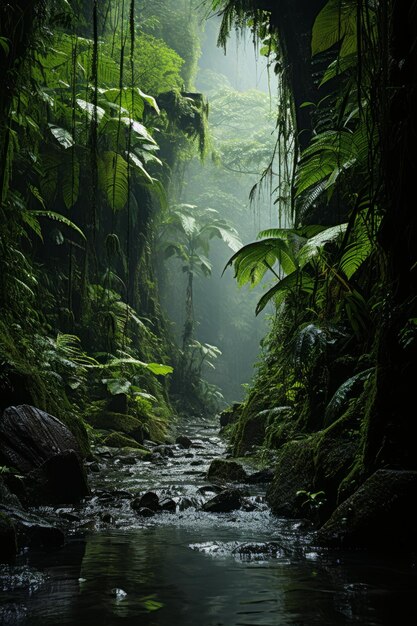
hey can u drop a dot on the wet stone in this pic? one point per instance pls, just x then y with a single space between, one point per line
228 500
169 505
145 512
184 441
149 500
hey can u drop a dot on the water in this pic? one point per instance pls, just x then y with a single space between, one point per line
194 568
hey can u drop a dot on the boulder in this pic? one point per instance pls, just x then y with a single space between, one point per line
8 542
29 437
42 449
163 450
226 471
118 440
144 512
61 479
379 515
118 422
294 472
184 441
224 502
149 500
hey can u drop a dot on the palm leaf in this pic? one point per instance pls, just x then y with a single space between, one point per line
59 218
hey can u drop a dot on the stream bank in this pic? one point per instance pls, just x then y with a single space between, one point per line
242 567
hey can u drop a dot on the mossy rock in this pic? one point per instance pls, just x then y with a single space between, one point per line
317 463
77 427
251 424
230 415
120 440
118 422
226 471
294 471
379 515
8 541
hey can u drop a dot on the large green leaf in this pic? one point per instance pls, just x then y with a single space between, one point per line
113 179
335 22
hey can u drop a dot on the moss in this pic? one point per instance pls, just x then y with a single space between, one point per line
118 440
118 422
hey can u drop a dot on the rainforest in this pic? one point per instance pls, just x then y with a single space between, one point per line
208 312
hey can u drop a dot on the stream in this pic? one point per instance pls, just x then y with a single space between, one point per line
192 568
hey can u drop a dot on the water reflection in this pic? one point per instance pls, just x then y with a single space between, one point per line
166 583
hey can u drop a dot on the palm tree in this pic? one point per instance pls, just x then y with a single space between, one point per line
186 234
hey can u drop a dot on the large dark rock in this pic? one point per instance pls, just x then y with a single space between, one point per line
8 543
381 514
226 471
60 480
224 502
252 428
42 448
29 437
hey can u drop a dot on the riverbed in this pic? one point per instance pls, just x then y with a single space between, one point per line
189 568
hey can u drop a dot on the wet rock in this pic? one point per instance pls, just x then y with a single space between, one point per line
378 515
188 455
60 480
106 518
93 467
209 489
228 500
185 503
128 460
145 512
29 437
149 500
267 549
230 415
8 541
6 496
197 462
263 476
184 441
44 536
163 450
168 504
226 471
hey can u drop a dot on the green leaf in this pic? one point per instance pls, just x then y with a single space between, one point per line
140 167
59 218
335 22
159 369
117 385
296 280
89 109
113 179
63 136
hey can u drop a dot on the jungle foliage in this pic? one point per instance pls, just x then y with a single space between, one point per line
93 99
343 326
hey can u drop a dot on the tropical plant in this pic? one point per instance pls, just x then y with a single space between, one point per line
186 233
